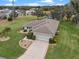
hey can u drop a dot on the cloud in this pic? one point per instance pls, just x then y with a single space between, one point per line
47 1
61 0
59 4
9 0
8 4
52 2
33 4
37 3
49 4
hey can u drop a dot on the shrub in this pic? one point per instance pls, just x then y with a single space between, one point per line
0 34
7 29
33 37
10 19
57 33
51 41
30 30
30 35
25 31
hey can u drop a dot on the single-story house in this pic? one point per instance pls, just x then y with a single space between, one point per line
30 12
5 13
43 29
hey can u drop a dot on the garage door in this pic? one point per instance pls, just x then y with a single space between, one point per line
44 38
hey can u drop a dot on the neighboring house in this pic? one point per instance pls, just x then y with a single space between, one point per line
43 29
5 13
19 12
2 14
30 12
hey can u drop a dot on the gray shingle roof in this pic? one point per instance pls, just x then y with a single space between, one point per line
43 29
50 27
35 23
46 26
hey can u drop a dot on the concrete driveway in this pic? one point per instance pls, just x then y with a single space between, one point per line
36 51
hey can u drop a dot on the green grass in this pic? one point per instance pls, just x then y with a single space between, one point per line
67 43
11 49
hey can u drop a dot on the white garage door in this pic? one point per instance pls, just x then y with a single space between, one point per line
44 38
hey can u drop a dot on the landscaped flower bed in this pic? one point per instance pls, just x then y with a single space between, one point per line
4 38
25 43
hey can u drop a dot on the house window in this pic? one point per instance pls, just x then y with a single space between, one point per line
29 27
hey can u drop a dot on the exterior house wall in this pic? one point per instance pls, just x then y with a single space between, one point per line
29 12
41 36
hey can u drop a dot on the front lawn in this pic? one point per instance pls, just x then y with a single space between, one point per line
67 43
11 49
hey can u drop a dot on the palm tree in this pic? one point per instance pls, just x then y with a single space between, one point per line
13 2
39 12
75 4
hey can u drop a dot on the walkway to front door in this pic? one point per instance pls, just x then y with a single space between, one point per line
36 51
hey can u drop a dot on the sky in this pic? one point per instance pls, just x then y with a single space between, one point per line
33 2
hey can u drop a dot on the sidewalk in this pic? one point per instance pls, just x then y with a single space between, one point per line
36 51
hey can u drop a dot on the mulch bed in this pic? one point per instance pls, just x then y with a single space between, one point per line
25 43
4 38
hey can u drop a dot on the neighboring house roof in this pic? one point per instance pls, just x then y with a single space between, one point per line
50 27
3 14
46 26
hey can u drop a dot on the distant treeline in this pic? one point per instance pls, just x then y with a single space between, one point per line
16 7
27 7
